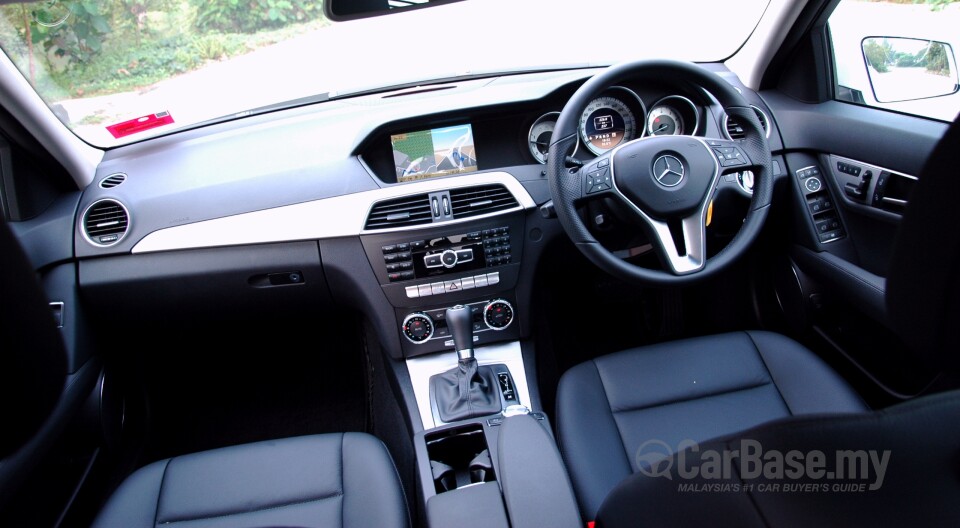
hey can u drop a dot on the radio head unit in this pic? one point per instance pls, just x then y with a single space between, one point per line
437 256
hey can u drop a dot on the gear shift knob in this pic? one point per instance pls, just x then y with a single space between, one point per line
460 323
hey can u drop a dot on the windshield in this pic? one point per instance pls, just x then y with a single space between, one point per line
119 71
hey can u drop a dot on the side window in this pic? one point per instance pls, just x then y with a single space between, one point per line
898 55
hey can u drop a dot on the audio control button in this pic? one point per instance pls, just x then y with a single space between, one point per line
448 258
464 255
432 261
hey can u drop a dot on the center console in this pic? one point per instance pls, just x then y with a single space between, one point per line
460 323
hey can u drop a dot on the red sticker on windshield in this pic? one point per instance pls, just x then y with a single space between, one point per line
140 124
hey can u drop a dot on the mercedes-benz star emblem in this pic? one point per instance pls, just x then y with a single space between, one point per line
668 171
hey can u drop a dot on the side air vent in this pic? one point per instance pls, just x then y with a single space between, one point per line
113 180
105 222
735 131
400 212
475 201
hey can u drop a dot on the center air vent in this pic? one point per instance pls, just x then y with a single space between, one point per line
113 180
105 222
735 130
483 199
400 212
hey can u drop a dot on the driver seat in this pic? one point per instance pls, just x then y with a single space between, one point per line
614 408
618 413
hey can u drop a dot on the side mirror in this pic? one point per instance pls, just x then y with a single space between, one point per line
906 69
342 10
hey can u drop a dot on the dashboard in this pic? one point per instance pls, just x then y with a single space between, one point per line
398 204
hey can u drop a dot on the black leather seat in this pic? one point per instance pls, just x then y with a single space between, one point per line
310 481
694 389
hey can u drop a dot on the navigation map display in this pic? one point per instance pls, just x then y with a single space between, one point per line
432 153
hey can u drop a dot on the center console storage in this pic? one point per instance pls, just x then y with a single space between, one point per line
484 472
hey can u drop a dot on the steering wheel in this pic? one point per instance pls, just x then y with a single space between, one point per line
666 182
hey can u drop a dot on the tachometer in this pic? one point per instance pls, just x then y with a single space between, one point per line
609 120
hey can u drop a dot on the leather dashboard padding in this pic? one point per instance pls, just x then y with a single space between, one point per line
33 356
536 487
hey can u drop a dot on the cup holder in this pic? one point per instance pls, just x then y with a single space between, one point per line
459 457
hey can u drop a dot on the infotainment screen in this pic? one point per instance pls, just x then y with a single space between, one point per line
431 153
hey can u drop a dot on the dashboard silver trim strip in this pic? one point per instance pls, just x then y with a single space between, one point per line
338 216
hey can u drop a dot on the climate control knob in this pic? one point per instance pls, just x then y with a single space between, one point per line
417 327
498 314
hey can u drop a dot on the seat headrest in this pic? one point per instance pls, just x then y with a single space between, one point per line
32 354
923 283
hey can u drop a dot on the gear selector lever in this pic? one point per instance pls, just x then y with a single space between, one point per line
467 390
460 323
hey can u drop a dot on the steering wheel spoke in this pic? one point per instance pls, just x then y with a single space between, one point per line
682 245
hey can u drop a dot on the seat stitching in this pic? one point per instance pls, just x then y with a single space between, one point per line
163 477
606 396
700 397
770 373
258 510
750 494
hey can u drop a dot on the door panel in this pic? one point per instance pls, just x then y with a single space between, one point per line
852 168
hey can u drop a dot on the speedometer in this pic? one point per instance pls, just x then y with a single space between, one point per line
609 121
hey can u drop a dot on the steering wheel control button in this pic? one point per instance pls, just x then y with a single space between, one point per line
498 314
813 184
599 181
730 156
418 327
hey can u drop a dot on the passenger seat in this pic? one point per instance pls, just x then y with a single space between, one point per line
331 480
